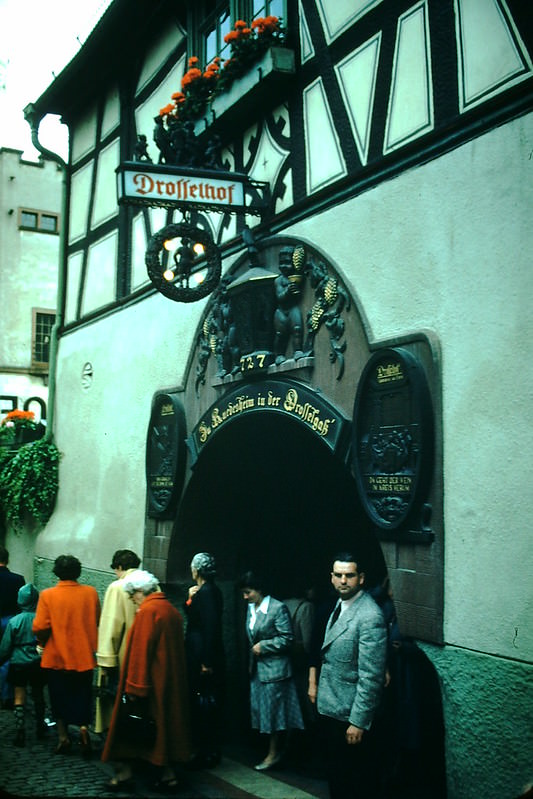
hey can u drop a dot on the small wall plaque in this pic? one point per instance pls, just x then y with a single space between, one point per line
393 439
166 456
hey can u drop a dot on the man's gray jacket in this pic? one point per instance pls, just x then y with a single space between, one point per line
353 664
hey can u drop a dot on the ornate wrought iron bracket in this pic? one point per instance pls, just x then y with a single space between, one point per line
188 188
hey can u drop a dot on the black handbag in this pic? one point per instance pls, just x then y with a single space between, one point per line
135 725
206 704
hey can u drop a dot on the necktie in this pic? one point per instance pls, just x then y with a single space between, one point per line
335 615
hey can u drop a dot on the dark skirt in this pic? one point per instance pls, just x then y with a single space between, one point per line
22 674
70 695
274 706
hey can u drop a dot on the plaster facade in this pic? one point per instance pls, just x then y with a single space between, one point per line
29 262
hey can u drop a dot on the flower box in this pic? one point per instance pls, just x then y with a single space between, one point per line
254 90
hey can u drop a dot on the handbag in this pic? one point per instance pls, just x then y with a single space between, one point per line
134 724
205 703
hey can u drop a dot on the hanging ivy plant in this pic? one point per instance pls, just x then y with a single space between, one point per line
29 481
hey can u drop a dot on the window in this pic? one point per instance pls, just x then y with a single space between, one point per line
266 8
41 221
29 219
213 32
42 323
219 19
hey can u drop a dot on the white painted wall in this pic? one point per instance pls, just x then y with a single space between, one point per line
101 431
447 246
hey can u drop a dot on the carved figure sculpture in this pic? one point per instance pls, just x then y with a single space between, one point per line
330 300
141 149
227 348
191 151
176 135
183 258
219 336
288 319
162 141
212 155
390 449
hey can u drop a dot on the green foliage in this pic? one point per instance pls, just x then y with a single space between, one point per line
29 481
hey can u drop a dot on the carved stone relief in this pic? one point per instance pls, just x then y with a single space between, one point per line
263 316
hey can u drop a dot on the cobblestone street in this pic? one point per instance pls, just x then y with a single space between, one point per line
35 771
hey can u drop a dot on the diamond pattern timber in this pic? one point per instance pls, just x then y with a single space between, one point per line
268 161
307 51
410 111
324 160
338 15
491 55
357 78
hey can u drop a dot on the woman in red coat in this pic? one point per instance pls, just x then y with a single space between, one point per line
153 669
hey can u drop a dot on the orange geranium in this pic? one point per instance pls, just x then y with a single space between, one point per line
265 25
168 109
190 76
248 44
17 417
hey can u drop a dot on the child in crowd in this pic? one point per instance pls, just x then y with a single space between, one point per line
19 646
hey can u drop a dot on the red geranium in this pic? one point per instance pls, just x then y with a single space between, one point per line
190 76
17 416
247 43
168 109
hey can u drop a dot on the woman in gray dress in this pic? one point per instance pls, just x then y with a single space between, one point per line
273 698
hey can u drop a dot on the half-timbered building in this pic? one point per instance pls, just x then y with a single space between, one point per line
296 318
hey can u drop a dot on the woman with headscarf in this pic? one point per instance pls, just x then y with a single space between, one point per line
153 673
205 659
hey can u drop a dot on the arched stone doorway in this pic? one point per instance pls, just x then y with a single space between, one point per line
264 488
268 494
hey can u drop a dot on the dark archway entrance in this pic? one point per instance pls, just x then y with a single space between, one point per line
267 494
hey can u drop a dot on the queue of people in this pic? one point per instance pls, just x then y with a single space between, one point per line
155 669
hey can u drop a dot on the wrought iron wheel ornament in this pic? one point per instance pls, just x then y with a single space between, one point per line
182 287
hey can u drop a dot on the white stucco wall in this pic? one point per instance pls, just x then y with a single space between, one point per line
447 247
101 430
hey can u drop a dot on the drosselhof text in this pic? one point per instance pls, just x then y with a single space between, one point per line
186 189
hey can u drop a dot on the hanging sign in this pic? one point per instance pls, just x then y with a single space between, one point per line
392 446
144 183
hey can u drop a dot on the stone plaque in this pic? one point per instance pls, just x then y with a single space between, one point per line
166 455
393 439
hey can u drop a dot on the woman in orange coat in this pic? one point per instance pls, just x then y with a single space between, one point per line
66 627
153 669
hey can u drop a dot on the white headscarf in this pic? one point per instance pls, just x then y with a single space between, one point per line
140 580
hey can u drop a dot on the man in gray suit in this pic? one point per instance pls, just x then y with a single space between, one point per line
351 678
